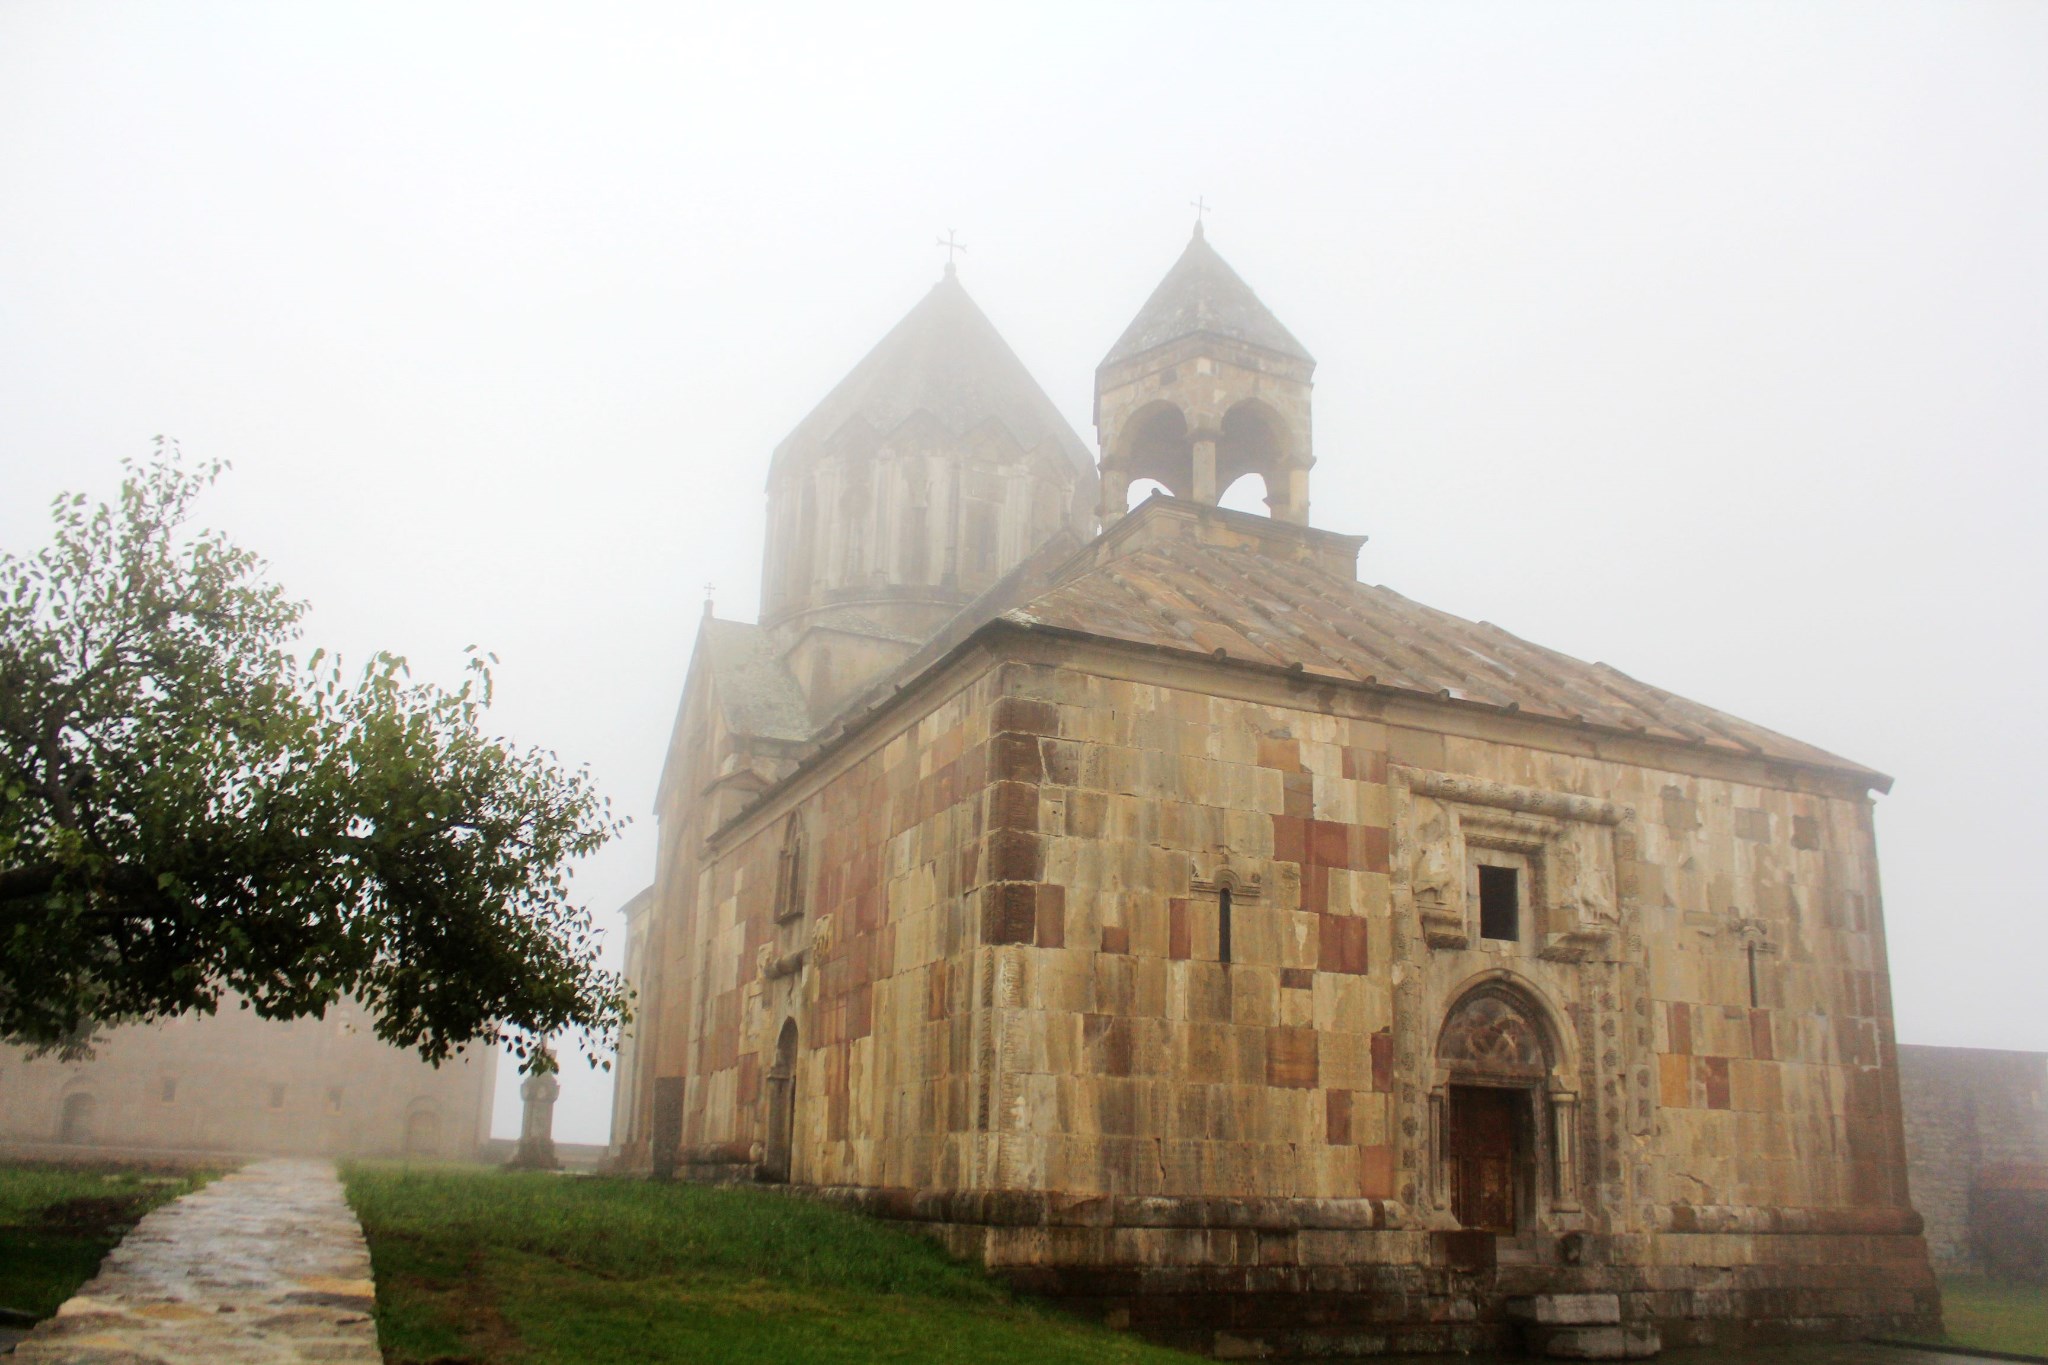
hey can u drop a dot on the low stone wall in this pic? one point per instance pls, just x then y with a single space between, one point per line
1972 1117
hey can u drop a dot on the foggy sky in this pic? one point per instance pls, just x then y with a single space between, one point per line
1705 340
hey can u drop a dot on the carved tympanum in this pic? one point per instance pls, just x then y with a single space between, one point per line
1490 1034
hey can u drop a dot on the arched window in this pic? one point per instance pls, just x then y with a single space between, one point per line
790 872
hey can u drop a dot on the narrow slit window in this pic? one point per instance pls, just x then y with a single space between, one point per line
1223 925
1500 903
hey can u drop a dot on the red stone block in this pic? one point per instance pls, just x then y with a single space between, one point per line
1015 758
1329 843
1762 1045
935 991
1376 1172
1681 1029
1329 944
1290 839
1337 1117
1026 716
1014 856
1009 913
1372 848
1714 1072
1013 805
1341 944
1052 916
860 1012
1297 978
1292 1056
1383 1061
1179 933
1106 1038
1062 761
1115 938
749 1087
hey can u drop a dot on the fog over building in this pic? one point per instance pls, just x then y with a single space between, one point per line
1203 935
233 1085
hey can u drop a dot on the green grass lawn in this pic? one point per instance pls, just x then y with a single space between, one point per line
1993 1316
57 1222
490 1266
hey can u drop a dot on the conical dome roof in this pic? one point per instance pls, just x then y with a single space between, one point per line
1202 295
944 358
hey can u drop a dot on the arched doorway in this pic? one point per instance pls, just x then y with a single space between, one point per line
423 1131
1497 1162
777 1158
78 1120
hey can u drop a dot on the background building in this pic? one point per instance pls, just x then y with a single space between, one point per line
232 1084
1977 1150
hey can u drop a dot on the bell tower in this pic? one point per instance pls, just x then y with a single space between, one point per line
1204 387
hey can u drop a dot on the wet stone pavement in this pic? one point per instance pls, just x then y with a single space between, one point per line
265 1267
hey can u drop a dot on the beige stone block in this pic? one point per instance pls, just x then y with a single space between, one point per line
1343 1002
1345 1061
1254 995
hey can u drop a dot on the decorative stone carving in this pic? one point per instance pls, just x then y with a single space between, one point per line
773 966
1489 1034
1435 881
1565 838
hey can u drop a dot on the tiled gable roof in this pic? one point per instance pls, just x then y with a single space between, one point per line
1240 604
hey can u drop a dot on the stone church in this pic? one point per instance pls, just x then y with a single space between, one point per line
1252 956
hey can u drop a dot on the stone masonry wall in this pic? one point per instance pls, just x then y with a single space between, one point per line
1133 1062
1015 1022
873 966
1968 1112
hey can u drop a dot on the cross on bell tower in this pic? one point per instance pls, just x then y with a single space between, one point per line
951 241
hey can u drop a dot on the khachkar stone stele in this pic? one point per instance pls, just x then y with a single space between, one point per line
537 1122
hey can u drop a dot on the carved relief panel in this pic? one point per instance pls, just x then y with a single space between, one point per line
1561 845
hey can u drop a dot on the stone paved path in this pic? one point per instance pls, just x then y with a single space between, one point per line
263 1267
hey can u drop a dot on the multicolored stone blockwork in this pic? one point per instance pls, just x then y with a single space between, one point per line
1009 983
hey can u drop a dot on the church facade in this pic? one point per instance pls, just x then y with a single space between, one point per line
1256 956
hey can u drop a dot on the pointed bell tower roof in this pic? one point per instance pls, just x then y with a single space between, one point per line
1202 295
945 358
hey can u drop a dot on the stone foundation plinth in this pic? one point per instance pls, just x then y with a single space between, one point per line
1313 1277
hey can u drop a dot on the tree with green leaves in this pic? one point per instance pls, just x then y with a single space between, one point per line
191 809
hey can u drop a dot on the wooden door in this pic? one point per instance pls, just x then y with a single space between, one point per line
1481 1149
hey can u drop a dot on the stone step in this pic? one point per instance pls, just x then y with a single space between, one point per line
1567 1310
1635 1341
